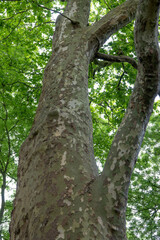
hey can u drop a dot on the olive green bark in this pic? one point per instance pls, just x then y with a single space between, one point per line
59 193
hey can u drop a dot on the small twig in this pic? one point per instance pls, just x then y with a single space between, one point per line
15 15
27 85
9 175
153 185
41 24
72 21
12 30
107 5
13 126
11 0
121 77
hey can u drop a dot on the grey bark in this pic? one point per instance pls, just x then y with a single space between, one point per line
60 194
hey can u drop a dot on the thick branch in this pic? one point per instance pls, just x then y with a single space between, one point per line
113 21
111 58
102 64
126 145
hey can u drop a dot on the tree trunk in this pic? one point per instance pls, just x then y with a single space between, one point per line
3 188
59 193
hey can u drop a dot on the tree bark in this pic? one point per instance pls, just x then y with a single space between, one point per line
3 188
59 193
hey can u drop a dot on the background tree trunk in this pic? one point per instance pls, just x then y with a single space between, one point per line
60 194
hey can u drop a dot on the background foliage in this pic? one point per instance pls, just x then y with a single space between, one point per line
25 47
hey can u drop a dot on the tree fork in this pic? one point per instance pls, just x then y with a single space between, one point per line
59 193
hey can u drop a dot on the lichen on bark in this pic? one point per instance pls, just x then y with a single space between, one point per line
60 194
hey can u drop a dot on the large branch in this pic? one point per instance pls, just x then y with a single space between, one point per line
126 145
112 58
112 22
